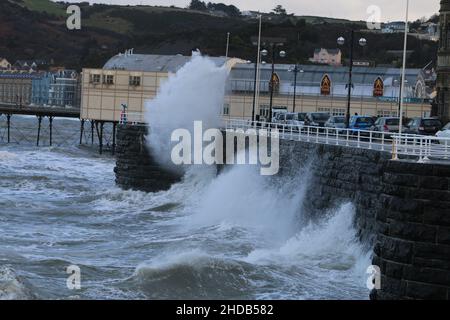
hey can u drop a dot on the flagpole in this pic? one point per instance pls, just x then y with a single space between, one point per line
228 44
402 93
258 75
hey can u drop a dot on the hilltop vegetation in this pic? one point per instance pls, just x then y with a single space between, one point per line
43 6
36 29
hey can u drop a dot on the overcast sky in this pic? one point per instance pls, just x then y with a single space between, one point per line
349 9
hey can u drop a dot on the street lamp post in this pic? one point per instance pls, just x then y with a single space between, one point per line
257 42
282 54
362 43
254 88
296 70
228 44
400 92
255 84
402 85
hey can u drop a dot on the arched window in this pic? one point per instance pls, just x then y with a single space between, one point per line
378 87
275 81
325 86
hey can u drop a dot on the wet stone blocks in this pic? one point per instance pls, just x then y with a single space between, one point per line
402 211
402 207
135 167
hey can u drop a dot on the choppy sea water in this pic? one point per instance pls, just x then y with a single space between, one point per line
235 236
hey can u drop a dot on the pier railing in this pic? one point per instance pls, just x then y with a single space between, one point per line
132 118
419 147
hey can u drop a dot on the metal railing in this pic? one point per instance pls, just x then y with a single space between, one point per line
132 118
422 148
407 146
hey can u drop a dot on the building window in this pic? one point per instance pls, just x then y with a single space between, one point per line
279 108
135 81
339 112
387 113
108 79
321 109
95 78
226 109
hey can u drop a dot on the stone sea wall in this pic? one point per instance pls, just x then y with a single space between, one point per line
402 207
135 168
402 210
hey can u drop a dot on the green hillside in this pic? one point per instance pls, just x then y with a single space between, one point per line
46 6
109 29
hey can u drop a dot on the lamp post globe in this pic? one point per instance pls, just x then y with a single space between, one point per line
341 41
362 42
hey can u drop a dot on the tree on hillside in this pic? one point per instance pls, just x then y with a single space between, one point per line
230 10
280 10
197 5
434 18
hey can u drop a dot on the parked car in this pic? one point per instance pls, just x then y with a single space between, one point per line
277 118
423 126
337 122
282 118
444 132
358 123
288 118
387 125
276 113
296 118
316 119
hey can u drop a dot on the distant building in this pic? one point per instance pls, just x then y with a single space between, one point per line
16 87
324 88
65 89
247 13
427 31
364 79
40 89
250 14
133 79
426 84
332 57
27 65
61 88
393 27
4 64
129 79
430 28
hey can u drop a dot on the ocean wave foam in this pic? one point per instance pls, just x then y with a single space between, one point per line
12 287
5 155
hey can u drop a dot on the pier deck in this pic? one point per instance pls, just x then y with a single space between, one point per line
12 109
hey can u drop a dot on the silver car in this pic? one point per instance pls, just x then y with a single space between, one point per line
296 119
445 132
336 122
386 125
